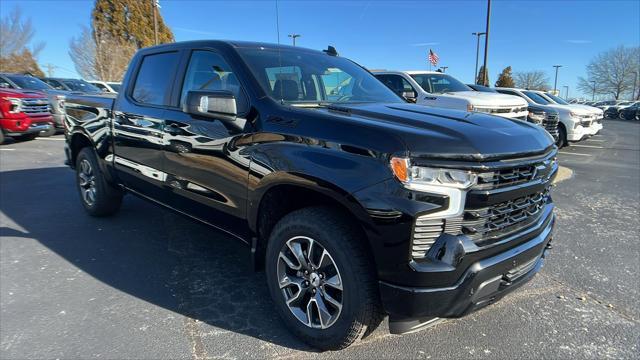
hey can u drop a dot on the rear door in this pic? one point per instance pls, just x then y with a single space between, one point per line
138 124
207 172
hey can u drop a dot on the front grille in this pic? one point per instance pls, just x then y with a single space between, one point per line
484 225
35 106
501 110
550 123
514 176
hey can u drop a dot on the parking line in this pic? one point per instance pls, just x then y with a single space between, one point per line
571 153
594 140
7 149
588 146
51 139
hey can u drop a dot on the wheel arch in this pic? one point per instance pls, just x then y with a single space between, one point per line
290 192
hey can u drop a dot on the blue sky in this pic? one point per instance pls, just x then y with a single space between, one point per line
528 35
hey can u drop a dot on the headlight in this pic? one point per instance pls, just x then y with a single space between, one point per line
60 103
536 117
417 176
15 105
573 115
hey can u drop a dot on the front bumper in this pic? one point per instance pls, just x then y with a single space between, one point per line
483 283
578 133
25 125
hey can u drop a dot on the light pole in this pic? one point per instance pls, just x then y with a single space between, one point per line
555 83
444 68
154 5
485 81
293 37
566 97
633 93
593 97
477 34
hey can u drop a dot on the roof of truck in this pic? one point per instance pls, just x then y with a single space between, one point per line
232 43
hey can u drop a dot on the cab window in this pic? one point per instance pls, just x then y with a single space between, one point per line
154 77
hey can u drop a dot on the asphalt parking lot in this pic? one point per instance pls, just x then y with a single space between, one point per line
150 284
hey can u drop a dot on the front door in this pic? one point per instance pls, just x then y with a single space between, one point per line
207 172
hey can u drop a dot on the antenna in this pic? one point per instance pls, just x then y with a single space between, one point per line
279 54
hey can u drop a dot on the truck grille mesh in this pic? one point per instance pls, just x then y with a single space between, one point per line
550 123
35 106
484 225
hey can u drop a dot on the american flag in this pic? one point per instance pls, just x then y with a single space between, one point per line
433 58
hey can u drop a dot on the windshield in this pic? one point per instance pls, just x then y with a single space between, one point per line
536 98
81 85
439 83
301 77
28 82
115 87
557 99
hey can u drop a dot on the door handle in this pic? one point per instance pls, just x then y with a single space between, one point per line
430 98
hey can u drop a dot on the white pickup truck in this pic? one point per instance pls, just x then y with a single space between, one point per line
437 89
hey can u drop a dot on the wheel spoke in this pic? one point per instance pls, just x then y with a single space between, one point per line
334 281
289 263
323 313
296 249
335 303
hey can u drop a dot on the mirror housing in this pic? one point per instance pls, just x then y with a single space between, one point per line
410 96
219 104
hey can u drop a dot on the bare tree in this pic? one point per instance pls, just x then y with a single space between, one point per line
534 80
16 35
613 72
100 56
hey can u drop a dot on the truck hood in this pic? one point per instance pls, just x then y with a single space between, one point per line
445 133
591 109
487 99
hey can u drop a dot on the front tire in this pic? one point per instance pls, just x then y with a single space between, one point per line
1 137
562 137
321 278
27 137
98 197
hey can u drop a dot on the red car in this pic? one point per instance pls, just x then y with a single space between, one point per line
24 114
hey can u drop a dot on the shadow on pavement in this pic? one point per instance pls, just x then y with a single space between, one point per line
145 251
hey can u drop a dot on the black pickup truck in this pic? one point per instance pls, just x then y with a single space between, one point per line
356 203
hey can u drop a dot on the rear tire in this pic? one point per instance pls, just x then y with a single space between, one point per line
98 197
359 311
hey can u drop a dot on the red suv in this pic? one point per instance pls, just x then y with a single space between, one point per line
23 114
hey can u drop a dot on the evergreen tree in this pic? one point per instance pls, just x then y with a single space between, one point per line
129 21
505 79
481 76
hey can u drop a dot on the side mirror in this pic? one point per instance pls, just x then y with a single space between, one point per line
219 105
410 96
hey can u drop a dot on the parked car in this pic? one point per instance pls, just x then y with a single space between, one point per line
107 86
28 82
355 206
630 112
574 124
596 114
72 85
436 89
23 114
613 112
